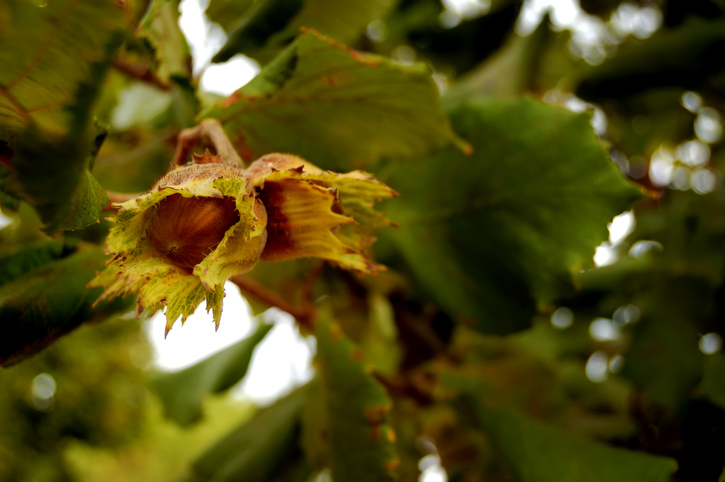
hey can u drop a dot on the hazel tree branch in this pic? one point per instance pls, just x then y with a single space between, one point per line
304 315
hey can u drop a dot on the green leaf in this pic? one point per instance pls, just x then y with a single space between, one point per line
487 234
360 441
47 52
259 22
664 360
258 449
182 392
507 73
227 12
54 60
335 107
49 301
17 261
160 29
712 386
537 452
271 24
685 57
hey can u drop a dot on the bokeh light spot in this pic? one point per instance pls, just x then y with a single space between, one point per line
710 343
42 391
597 367
562 318
603 329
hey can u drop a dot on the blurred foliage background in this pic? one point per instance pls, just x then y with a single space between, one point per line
493 348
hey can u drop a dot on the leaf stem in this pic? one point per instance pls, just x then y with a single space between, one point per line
211 132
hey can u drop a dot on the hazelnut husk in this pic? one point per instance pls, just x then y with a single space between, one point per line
184 230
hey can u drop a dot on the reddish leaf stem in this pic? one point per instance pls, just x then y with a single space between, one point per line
210 132
119 197
141 72
402 387
303 314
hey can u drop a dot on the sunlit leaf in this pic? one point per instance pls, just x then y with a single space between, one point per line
336 107
182 392
54 60
486 234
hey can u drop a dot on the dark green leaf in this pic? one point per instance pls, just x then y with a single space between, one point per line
485 234
19 260
271 24
182 392
665 361
508 73
262 20
227 12
712 385
258 449
335 107
49 301
359 439
685 57
65 194
537 452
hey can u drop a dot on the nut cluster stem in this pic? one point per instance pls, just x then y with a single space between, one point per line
209 132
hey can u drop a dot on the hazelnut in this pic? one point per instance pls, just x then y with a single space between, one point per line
184 230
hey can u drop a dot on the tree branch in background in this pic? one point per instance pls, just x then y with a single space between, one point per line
118 198
141 72
304 314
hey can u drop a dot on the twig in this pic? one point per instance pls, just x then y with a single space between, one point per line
118 198
402 387
211 132
139 71
303 314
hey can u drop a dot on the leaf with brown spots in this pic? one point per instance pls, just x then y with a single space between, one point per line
336 107
358 440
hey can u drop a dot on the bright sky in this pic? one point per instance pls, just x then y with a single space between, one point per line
281 361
